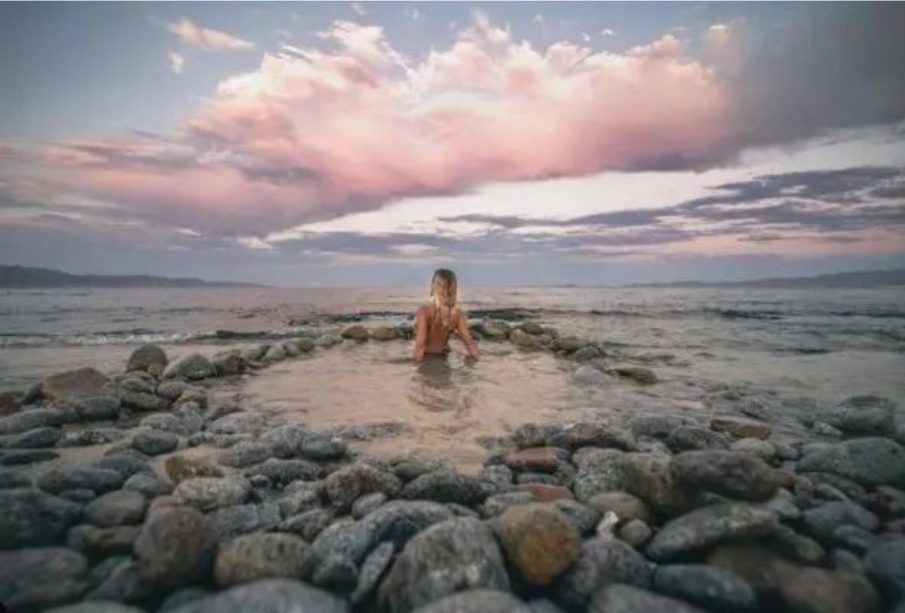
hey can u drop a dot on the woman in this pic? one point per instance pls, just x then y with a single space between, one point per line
435 322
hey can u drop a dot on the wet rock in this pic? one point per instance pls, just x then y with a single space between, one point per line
372 570
139 401
708 526
32 518
544 492
603 561
230 522
599 470
591 352
541 459
259 556
228 363
885 565
61 478
175 546
192 367
448 557
496 504
42 577
99 542
823 521
635 532
122 583
869 461
582 516
72 384
638 374
209 493
17 457
626 506
148 358
588 375
241 422
687 438
127 462
741 427
24 421
367 503
308 524
243 454
413 464
91 436
728 473
863 415
355 333
485 601
384 333
97 408
168 422
625 598
322 448
521 338
36 439
707 586
443 486
116 508
182 467
155 442
281 472
649 477
816 589
656 426
756 447
539 540
351 482
13 479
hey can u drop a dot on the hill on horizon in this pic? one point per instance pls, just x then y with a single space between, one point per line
34 277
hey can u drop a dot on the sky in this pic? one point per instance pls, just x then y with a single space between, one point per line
368 143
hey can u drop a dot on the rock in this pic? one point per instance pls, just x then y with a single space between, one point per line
821 428
638 374
355 333
24 421
384 333
13 479
588 375
728 473
539 541
36 439
523 339
707 586
599 470
32 518
756 447
168 422
259 556
367 503
544 492
281 472
175 546
192 367
372 570
98 542
228 363
885 565
823 521
9 403
824 591
209 493
532 435
708 526
635 533
98 480
308 524
448 557
628 599
326 341
594 435
412 464
182 467
181 598
155 442
121 582
275 353
241 422
627 507
496 504
649 477
230 522
299 500
349 483
72 384
687 438
116 508
95 606
27 456
741 427
126 462
243 454
863 415
570 344
603 561
483 601
140 401
172 389
32 579
656 426
268 596
139 382
497 474
322 448
148 358
444 486
541 459
97 408
590 352
91 436
582 516
869 461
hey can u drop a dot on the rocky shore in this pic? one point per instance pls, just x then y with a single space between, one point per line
137 492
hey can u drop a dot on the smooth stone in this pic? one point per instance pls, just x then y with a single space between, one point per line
182 467
762 568
228 362
27 456
17 423
141 401
688 438
32 518
603 561
588 375
42 577
92 436
36 439
244 454
97 408
322 448
259 556
656 426
635 532
627 507
355 333
542 459
863 415
372 570
583 516
122 583
80 383
823 521
10 479
298 501
230 522
281 472
638 374
538 540
146 358
708 526
412 464
599 470
168 422
448 557
477 601
756 447
443 486
127 462
741 427
209 493
148 484
344 486
826 591
268 596
285 441
870 461
496 504
172 389
629 599
116 508
545 492
175 546
729 473
885 565
796 546
194 366
61 478
308 524
97 542
367 503
707 586
95 606
155 442
650 478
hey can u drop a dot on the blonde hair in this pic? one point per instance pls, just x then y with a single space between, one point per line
444 295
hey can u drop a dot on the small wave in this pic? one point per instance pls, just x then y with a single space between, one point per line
803 350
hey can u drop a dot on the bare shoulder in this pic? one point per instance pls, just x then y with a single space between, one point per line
423 311
459 315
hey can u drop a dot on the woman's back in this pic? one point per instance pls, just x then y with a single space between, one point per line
436 322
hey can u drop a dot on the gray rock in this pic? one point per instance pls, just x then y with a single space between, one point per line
885 565
147 358
496 504
708 526
626 506
281 472
321 448
171 390
116 508
483 601
24 421
869 461
42 577
155 442
181 598
95 606
243 454
444 486
228 362
588 375
372 570
583 516
12 479
497 474
126 463
194 366
175 546
656 426
408 466
628 599
230 522
61 478
638 374
308 524
268 596
635 532
599 470
32 518
72 384
80 496
863 415
99 542
687 438
367 503
649 477
275 353
707 586
298 501
823 521
168 422
92 436
284 440
729 473
349 483
603 561
148 484
36 439
142 401
796 546
209 493
259 556
756 447
448 557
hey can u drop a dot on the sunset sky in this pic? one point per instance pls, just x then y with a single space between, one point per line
519 143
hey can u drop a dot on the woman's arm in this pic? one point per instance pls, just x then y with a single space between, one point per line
420 334
465 334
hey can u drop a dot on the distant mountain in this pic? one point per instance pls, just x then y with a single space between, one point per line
25 277
866 278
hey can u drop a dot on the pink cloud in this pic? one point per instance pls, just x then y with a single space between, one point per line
315 134
206 38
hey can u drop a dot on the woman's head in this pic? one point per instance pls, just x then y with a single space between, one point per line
444 288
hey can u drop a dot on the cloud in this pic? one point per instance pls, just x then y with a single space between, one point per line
608 32
177 63
206 38
358 8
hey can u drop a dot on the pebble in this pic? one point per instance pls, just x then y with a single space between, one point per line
538 540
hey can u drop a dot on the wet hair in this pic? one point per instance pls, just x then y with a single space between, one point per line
444 294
